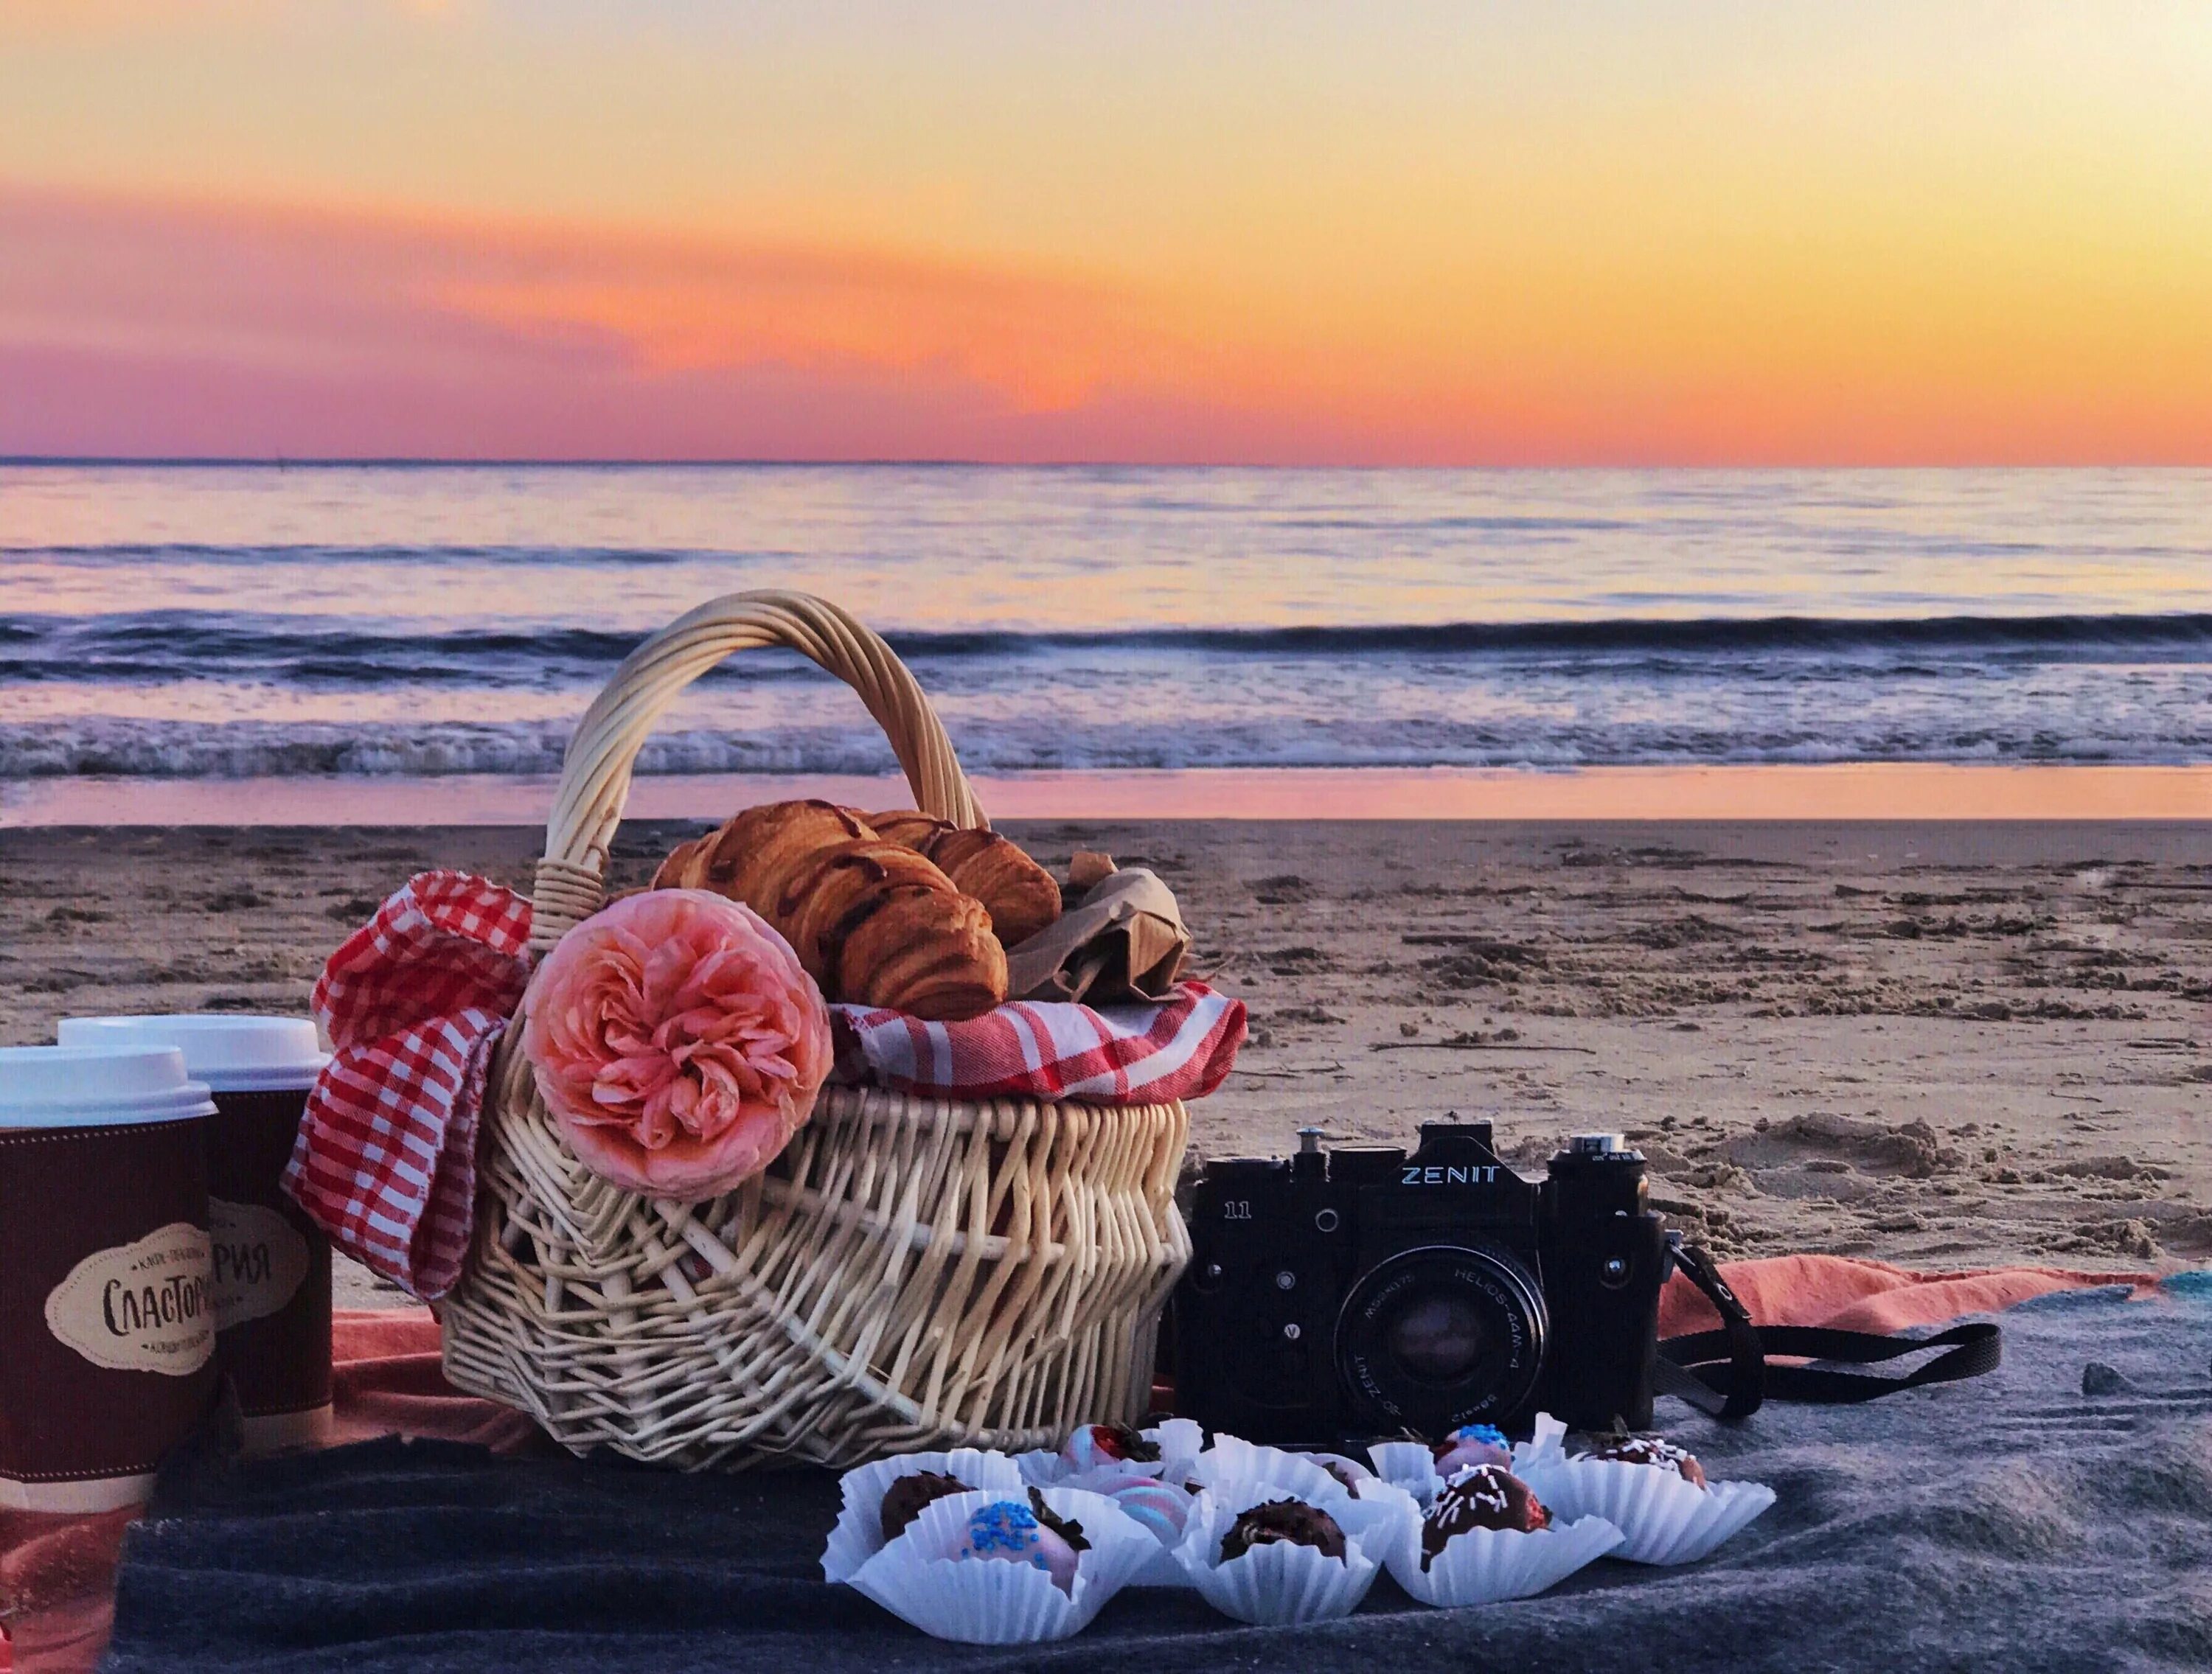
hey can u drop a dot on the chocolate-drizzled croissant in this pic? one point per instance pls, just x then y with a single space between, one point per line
873 922
758 856
1022 895
916 829
887 928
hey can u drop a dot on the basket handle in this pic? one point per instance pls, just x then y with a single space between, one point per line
595 773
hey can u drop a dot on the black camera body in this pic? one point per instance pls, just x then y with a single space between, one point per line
1363 1292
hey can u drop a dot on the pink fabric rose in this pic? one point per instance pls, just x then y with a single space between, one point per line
678 1042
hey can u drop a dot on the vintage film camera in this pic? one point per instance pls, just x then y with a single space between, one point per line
1361 1292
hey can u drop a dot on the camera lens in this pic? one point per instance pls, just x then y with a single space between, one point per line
1436 1338
1440 1336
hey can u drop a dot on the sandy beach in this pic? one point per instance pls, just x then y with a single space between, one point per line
1939 1044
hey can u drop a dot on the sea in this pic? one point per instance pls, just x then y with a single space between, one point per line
383 630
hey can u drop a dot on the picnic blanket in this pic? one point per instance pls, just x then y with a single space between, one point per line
2054 1515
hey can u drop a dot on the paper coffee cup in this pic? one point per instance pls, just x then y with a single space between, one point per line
106 1312
272 1276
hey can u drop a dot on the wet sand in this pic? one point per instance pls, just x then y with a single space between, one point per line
1940 1044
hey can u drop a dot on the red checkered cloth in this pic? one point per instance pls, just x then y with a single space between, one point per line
414 1002
1136 1054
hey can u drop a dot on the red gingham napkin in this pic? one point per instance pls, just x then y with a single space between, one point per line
414 1002
1137 1054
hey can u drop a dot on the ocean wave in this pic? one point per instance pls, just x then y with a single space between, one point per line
164 646
110 747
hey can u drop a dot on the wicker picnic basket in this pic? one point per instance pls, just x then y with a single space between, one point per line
912 1272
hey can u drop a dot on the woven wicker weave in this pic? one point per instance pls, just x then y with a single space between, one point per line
912 1273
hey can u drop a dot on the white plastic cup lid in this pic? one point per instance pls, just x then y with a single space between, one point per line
232 1053
97 1087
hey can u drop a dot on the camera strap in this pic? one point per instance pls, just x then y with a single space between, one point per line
1727 1373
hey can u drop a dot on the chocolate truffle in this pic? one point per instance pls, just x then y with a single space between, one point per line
1651 1450
906 1496
1293 1522
1011 1533
1482 1496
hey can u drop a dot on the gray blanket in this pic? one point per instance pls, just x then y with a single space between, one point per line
2056 1515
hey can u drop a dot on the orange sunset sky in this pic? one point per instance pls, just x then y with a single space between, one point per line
1899 231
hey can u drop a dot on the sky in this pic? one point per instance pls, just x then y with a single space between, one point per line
1898 232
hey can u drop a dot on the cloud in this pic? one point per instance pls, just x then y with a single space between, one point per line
372 334
137 326
1043 344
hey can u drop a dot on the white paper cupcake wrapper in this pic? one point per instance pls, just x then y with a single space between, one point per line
982 1602
1351 1467
1231 1459
1410 1465
1663 1518
1042 1467
1181 1441
858 1535
1281 1584
1486 1566
1546 1445
1163 1569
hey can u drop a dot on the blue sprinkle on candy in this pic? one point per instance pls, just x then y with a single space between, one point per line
1006 1527
1489 1433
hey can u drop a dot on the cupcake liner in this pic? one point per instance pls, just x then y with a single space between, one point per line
1402 1507
858 1535
1162 1571
1351 1467
1281 1584
1663 1518
1042 1467
980 1601
1181 1441
1548 1445
1410 1464
1486 1566
1232 1459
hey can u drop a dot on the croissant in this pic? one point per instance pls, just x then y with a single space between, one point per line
873 922
887 928
1021 895
916 829
686 867
759 857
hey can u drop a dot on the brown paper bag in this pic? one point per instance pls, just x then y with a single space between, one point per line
1124 942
